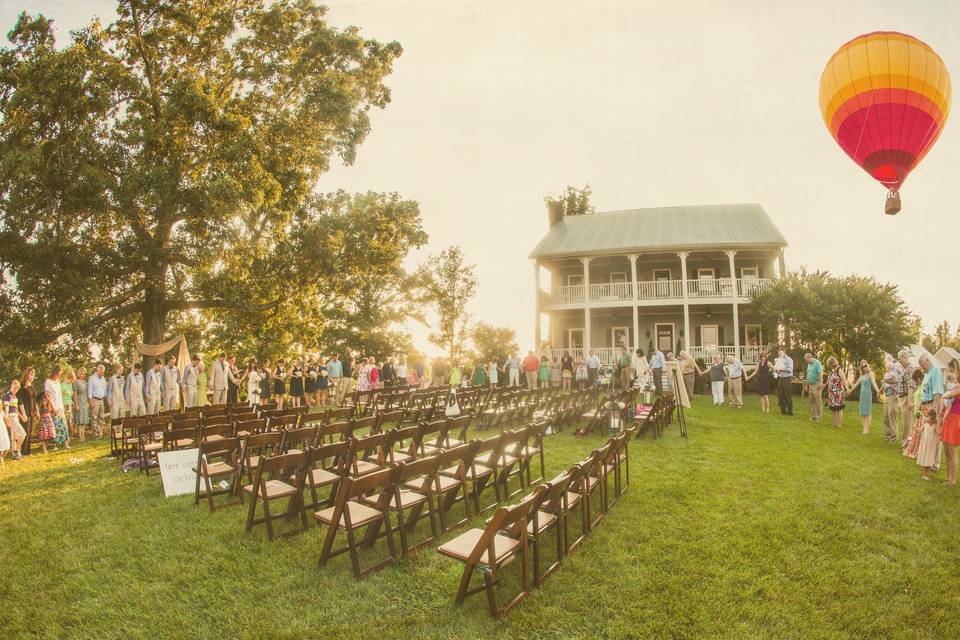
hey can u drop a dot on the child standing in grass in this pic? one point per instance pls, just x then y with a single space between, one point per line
47 432
929 438
11 412
913 441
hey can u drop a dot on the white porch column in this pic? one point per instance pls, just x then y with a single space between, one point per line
782 265
686 302
633 304
536 309
733 299
586 303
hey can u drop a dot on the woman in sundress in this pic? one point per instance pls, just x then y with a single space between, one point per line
837 390
81 404
867 383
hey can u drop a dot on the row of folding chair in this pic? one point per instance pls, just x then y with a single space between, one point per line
655 418
520 531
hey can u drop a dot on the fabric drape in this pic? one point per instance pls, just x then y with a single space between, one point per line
183 354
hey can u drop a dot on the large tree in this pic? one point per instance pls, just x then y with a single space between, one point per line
447 283
160 165
852 317
492 343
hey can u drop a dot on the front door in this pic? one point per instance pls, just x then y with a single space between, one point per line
665 337
709 336
753 335
575 338
620 337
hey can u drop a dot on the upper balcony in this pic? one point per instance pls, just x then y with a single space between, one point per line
654 292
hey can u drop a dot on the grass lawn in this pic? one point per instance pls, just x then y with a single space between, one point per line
756 526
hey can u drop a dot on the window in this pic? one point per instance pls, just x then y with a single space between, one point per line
575 338
620 337
749 272
706 274
753 334
618 276
575 280
709 335
662 275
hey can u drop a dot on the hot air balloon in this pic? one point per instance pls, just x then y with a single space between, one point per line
885 98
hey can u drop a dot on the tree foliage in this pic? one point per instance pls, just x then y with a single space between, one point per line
853 317
572 201
941 337
447 283
492 343
161 167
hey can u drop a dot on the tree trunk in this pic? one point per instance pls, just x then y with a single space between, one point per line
153 320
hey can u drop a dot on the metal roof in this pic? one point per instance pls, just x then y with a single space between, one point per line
719 226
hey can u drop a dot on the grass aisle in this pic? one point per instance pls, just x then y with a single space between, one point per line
757 526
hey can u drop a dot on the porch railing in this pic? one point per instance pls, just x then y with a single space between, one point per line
746 354
656 290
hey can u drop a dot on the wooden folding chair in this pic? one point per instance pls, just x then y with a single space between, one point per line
392 417
533 450
337 414
336 431
483 474
452 478
284 422
326 465
368 454
593 483
301 439
502 540
212 433
455 431
414 488
257 446
404 444
267 487
149 444
349 514
250 427
220 459
551 513
213 411
366 425
181 438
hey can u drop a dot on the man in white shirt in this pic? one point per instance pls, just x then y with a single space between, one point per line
657 363
593 367
51 387
170 384
218 379
133 393
153 388
734 370
190 374
512 367
118 407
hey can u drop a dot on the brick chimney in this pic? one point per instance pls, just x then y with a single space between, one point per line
554 213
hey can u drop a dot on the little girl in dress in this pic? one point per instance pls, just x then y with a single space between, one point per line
927 451
47 430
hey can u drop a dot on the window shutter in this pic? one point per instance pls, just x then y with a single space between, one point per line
698 336
720 339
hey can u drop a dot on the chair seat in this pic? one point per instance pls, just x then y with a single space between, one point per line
252 462
184 442
320 477
463 545
242 433
573 499
453 442
275 489
360 515
294 450
504 460
213 438
365 466
407 499
544 521
530 452
399 456
153 446
218 468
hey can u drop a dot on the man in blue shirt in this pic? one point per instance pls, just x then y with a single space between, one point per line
735 376
814 386
656 369
783 368
593 367
931 391
334 377
97 392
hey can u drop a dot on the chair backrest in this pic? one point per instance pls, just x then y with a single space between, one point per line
263 445
462 456
271 413
337 414
282 465
553 499
508 519
407 439
351 487
332 457
337 430
302 438
284 423
385 418
368 422
180 438
425 467
256 425
222 430
212 410
179 422
217 419
372 446
228 447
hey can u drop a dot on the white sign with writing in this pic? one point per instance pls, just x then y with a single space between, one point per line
176 471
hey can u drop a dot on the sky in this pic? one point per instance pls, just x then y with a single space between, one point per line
497 103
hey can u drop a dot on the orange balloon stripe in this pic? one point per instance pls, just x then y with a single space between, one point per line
899 83
880 35
886 96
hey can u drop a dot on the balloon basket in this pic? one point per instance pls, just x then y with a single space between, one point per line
892 206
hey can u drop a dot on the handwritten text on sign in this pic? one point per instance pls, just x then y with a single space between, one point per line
176 471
